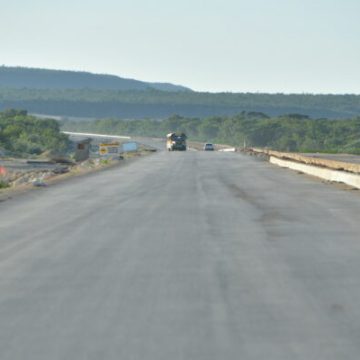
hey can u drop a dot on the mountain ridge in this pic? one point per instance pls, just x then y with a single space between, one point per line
99 96
37 78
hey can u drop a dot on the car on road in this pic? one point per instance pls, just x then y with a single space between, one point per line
209 147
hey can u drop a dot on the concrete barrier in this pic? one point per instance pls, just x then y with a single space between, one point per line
321 172
330 164
228 150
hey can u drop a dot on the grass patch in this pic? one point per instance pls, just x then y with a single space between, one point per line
4 184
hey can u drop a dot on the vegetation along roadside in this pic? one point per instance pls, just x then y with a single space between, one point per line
293 132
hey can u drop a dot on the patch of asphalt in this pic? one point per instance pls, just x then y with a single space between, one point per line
184 255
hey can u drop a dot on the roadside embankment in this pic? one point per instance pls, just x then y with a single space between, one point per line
327 169
13 182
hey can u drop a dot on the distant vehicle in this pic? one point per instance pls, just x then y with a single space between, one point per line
176 142
209 147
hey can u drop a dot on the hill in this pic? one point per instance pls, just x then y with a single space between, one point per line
86 95
89 103
31 78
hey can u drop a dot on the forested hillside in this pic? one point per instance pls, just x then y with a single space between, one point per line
86 95
160 104
286 133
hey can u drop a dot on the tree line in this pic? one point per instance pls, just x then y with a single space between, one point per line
293 132
21 134
161 104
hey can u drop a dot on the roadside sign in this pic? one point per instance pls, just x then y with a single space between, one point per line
130 146
109 149
103 151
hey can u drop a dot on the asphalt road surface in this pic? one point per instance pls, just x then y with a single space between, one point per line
184 255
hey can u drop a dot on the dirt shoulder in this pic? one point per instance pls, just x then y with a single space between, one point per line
36 179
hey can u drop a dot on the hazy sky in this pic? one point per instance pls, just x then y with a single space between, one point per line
212 45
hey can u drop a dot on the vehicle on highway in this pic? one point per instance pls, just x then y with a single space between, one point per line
176 142
209 147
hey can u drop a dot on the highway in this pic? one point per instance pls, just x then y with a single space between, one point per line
182 256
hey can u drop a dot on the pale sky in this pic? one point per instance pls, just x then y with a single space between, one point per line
301 46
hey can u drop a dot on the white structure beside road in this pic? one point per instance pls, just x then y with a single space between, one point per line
326 167
320 172
96 136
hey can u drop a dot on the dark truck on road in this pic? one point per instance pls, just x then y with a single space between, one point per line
176 142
